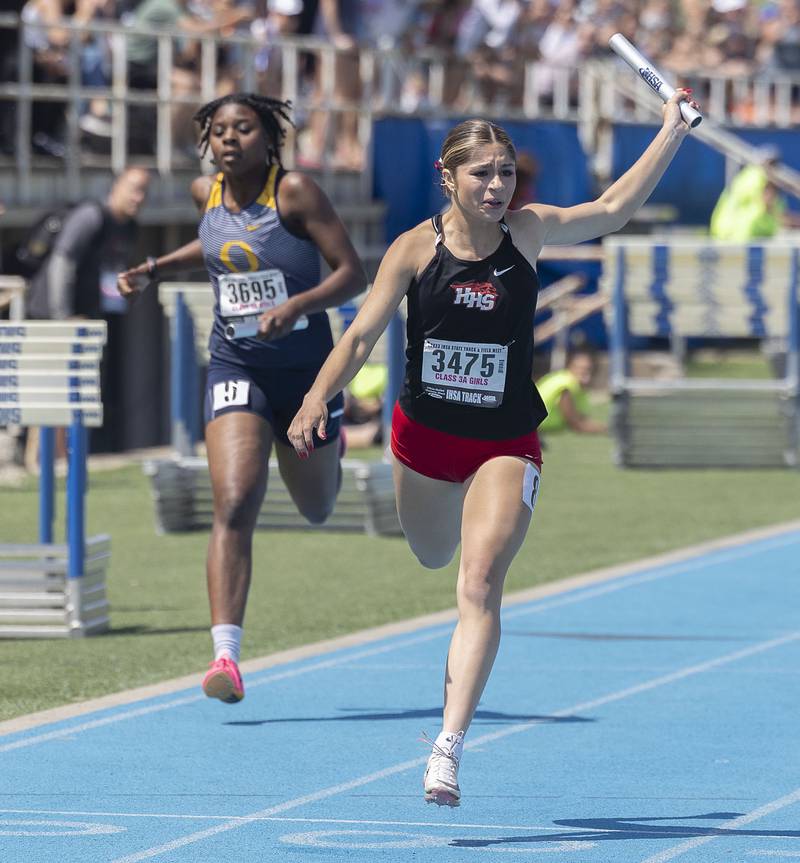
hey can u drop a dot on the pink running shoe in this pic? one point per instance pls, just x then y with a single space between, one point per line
223 681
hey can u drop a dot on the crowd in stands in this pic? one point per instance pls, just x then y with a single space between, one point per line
488 42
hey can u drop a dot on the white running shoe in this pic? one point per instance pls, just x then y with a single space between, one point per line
441 777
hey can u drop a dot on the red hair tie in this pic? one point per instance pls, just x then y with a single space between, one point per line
438 165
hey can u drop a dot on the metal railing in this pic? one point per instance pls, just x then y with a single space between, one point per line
418 83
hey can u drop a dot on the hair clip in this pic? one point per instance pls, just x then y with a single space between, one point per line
438 165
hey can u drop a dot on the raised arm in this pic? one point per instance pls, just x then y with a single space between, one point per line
615 207
352 350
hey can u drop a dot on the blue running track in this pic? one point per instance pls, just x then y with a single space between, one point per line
648 717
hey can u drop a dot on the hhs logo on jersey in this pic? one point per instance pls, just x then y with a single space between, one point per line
474 295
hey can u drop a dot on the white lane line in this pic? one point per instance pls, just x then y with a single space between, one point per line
189 699
749 818
360 781
571 586
395 645
451 825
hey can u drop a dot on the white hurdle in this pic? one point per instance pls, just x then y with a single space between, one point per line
50 377
181 485
706 290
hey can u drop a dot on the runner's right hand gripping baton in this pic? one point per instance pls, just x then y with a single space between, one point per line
249 329
651 76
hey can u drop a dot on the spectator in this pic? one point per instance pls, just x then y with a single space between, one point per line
779 47
564 45
350 25
8 73
95 65
143 62
750 206
48 43
78 279
565 397
281 18
363 406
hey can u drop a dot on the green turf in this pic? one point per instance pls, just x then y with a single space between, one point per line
747 365
309 586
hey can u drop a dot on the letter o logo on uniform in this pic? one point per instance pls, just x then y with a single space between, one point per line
225 255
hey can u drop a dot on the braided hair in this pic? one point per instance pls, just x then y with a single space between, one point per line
270 112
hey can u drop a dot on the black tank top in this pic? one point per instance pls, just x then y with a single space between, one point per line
470 344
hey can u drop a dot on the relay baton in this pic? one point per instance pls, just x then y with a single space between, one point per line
248 329
651 76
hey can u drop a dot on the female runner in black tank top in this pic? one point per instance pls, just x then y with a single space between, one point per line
463 434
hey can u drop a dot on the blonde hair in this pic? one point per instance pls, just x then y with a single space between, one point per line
461 142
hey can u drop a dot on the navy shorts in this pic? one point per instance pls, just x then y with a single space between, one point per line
274 394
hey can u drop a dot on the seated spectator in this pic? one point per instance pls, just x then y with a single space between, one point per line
95 65
565 397
779 46
350 25
282 18
143 63
363 406
49 44
565 43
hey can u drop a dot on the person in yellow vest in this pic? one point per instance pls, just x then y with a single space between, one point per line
750 206
565 397
363 406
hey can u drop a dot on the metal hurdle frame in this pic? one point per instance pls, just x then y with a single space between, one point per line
696 287
50 377
181 486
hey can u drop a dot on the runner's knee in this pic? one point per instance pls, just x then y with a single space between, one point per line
316 511
236 509
478 584
432 557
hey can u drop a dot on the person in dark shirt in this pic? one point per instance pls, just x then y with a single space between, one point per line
78 279
79 276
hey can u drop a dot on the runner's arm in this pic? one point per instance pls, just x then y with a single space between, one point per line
306 211
616 206
187 257
396 271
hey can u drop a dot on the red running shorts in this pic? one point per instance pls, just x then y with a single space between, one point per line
449 457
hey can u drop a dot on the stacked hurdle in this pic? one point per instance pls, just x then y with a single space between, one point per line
181 485
50 377
697 288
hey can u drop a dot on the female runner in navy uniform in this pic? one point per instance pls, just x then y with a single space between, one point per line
261 234
466 454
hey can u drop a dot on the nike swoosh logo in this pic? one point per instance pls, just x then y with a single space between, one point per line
254 226
500 272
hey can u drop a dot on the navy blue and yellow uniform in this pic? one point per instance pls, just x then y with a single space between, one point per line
256 263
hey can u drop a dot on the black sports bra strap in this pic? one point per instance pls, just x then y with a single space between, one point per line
436 221
504 227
